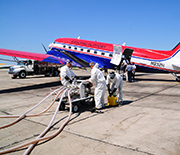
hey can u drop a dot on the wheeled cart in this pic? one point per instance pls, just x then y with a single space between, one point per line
81 95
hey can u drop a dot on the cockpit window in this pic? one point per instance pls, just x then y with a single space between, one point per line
22 63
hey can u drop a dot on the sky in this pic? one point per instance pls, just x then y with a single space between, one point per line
26 24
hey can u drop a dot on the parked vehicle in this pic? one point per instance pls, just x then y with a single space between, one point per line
33 67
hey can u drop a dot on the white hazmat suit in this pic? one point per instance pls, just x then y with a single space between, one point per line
117 83
100 86
66 71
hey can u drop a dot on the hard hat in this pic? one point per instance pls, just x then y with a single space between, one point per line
91 64
69 61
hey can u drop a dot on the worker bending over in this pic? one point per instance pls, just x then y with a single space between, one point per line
100 85
114 82
67 74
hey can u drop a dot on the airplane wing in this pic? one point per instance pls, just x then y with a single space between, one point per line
34 56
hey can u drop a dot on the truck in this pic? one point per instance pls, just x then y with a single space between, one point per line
33 67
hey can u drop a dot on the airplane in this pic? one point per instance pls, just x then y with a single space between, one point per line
82 52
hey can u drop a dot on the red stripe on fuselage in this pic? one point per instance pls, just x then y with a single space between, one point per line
138 52
86 43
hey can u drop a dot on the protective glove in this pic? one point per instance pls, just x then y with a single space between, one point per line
67 78
110 94
70 81
75 77
114 90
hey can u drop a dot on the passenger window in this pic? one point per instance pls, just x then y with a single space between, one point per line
81 49
75 48
64 46
95 52
110 55
102 53
69 47
88 51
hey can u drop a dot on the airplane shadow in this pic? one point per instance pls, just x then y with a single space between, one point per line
83 77
89 105
155 80
36 86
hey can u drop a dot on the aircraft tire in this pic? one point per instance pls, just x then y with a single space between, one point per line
178 79
22 74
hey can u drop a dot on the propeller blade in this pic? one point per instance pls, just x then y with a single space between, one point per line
44 47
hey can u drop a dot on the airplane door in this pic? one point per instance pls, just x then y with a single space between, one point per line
127 54
117 54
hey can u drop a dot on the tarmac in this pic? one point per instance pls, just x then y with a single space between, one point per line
148 123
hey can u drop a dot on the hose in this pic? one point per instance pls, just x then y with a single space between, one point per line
31 115
40 138
48 127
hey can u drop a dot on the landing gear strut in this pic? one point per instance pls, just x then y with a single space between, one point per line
177 77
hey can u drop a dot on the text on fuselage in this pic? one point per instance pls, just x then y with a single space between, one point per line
94 45
157 64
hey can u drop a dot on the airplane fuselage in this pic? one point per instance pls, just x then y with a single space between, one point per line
146 60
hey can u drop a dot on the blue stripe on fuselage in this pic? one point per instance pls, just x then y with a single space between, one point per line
85 56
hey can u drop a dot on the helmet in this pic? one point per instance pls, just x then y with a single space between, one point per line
69 61
91 64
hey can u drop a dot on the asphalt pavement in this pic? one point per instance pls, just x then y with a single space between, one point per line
148 123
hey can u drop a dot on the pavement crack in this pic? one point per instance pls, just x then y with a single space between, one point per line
4 112
154 93
17 142
107 143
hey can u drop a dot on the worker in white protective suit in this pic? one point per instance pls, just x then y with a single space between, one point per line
67 75
114 82
100 85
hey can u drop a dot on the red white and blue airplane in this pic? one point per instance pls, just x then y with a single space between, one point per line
82 52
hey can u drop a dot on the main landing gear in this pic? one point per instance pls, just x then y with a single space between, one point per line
177 77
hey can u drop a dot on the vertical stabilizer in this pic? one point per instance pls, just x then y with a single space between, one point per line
177 47
176 51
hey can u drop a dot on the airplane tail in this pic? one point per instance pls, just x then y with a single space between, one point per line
176 51
176 57
177 47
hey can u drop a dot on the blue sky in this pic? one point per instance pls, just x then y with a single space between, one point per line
25 24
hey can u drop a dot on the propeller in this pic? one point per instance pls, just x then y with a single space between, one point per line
44 47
